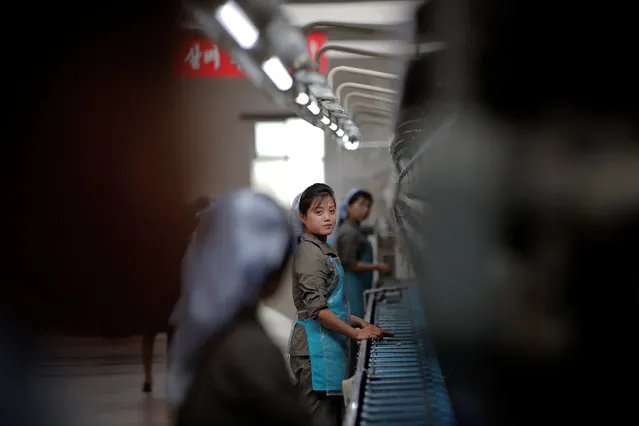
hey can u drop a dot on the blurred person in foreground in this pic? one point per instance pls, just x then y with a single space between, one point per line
225 370
161 324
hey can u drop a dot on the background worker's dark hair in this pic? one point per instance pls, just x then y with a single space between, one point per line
356 196
311 193
360 194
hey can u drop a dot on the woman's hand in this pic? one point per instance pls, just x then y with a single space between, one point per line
380 331
372 332
366 334
382 267
358 322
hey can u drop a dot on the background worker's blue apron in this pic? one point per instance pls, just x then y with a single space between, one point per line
357 282
328 350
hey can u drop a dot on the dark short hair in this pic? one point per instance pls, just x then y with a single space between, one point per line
361 194
311 193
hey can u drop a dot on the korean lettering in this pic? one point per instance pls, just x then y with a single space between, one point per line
194 57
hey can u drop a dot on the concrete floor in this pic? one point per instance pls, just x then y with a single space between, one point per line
97 382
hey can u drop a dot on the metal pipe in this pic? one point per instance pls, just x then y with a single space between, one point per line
373 122
359 71
370 29
366 96
421 49
378 114
359 105
373 112
373 145
356 51
351 411
369 87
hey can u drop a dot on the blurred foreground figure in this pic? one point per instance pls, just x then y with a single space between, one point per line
277 326
164 322
225 370
517 156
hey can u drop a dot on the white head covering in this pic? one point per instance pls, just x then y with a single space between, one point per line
294 218
238 243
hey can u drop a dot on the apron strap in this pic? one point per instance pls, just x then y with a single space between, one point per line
290 336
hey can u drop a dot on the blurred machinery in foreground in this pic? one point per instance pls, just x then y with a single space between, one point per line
516 152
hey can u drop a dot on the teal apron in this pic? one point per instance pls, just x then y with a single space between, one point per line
358 282
328 350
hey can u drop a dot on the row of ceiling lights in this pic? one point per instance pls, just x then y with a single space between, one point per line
274 56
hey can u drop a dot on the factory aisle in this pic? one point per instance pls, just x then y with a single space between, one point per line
98 382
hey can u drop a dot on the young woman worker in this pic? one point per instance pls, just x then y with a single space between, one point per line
319 347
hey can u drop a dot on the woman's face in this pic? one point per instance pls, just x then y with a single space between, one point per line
359 209
320 217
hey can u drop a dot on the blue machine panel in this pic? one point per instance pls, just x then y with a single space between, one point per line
398 380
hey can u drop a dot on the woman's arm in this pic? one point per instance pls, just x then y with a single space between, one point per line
329 320
358 322
311 275
367 267
363 267
347 245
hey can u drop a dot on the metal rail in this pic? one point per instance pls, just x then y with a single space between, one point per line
366 96
373 113
359 71
352 409
357 51
373 122
359 106
367 29
360 86
381 290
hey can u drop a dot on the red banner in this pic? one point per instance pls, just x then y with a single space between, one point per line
200 57
314 42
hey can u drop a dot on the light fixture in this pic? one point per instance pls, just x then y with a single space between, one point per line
277 72
351 145
285 72
237 24
314 108
302 98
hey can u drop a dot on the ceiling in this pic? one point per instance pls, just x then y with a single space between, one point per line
337 1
